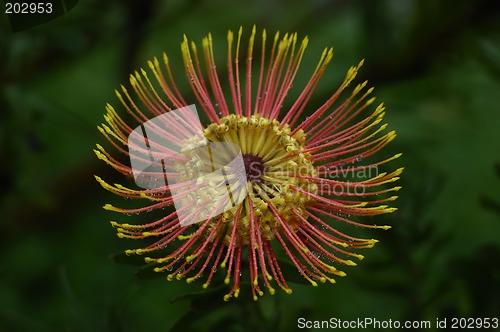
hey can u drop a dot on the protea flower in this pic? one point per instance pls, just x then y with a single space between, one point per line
304 178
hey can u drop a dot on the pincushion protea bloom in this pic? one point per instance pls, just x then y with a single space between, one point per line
297 189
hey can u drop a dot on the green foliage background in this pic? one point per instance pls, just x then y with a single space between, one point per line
436 65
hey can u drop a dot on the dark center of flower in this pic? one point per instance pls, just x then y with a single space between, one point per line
254 167
271 158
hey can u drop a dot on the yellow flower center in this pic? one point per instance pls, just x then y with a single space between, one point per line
272 157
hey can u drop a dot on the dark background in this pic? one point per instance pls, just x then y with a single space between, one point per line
436 65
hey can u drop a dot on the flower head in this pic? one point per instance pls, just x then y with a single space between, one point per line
292 191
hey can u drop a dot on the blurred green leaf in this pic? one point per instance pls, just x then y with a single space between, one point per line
147 272
122 258
201 305
197 294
